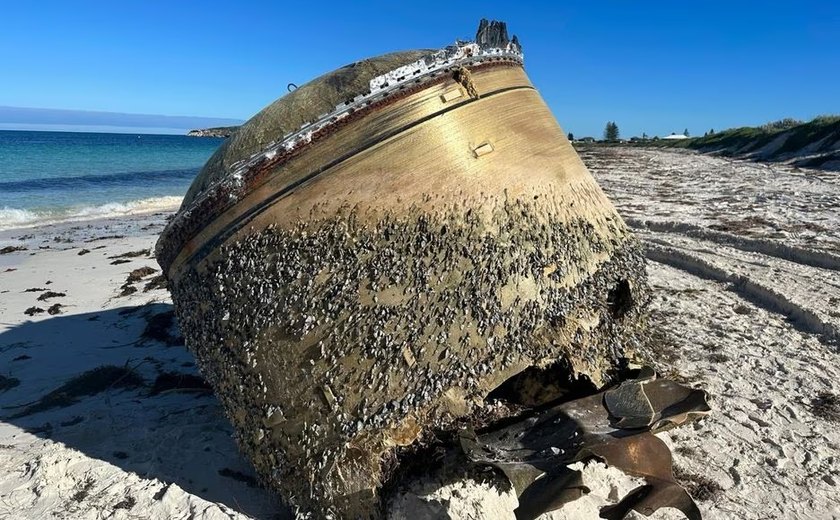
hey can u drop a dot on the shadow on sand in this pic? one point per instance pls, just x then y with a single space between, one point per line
174 434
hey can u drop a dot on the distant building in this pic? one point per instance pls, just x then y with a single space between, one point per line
587 139
675 136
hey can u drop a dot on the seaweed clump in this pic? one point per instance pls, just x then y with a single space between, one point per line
50 294
699 487
92 382
140 273
158 282
132 254
167 381
158 328
826 406
32 311
7 383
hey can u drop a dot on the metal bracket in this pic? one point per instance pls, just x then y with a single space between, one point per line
482 149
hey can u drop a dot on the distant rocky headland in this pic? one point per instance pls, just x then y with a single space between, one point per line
219 131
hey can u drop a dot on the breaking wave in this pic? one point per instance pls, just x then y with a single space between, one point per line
11 218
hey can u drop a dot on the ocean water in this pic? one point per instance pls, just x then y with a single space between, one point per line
56 176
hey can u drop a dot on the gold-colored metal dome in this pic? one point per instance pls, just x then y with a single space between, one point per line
291 111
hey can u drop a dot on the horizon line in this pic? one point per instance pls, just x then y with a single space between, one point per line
110 112
94 129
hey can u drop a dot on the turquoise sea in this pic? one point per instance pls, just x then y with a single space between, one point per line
54 176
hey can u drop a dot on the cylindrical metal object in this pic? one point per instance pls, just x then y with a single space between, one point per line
349 295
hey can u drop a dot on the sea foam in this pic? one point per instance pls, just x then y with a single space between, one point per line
11 218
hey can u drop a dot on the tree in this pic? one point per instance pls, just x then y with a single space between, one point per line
571 136
644 136
685 133
712 131
611 131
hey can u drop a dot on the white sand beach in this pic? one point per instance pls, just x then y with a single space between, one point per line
130 450
746 278
745 267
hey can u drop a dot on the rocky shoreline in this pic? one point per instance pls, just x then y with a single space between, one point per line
221 131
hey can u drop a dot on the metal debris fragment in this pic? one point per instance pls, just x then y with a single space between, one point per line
534 452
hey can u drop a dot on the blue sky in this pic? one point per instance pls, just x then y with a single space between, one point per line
655 67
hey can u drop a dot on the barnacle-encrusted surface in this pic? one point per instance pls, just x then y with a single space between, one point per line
334 341
374 275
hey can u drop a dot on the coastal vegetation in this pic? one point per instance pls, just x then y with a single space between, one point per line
813 144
